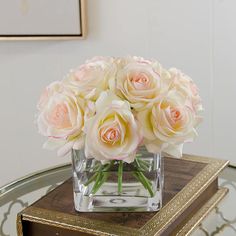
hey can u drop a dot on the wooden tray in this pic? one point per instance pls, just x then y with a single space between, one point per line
190 191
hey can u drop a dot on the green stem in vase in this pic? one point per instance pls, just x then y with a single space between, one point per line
120 175
91 179
144 181
144 163
101 179
96 167
140 165
136 161
142 178
101 176
143 167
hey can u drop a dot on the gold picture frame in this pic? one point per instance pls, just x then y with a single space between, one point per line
25 32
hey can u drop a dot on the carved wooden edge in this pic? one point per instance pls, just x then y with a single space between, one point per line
155 226
76 223
192 224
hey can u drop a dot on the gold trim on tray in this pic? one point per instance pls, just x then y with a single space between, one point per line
192 224
160 221
186 196
77 223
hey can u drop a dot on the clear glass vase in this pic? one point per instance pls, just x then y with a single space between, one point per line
118 186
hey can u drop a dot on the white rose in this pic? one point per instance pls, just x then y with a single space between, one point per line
185 85
112 134
141 82
54 87
61 118
168 124
93 77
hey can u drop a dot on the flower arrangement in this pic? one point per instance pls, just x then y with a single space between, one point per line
111 106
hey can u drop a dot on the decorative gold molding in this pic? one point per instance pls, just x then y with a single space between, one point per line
186 196
206 160
156 225
77 223
192 224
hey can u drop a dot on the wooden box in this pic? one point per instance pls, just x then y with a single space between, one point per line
190 192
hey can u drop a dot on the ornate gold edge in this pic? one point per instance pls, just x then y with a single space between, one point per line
191 225
207 159
155 226
82 35
76 223
186 196
19 228
203 159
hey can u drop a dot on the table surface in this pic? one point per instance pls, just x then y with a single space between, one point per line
23 192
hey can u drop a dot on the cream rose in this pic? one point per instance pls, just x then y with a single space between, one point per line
93 77
185 85
168 124
141 82
54 87
112 134
61 118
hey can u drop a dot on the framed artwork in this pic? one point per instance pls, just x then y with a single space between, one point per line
42 19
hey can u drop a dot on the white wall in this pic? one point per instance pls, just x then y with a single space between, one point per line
198 37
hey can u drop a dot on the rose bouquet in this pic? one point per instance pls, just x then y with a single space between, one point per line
109 107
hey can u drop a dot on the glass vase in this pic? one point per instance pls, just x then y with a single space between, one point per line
116 185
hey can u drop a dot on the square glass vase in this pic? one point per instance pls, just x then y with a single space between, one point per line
118 186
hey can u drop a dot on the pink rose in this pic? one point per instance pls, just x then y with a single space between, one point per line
49 91
168 124
61 118
93 77
112 134
185 85
141 82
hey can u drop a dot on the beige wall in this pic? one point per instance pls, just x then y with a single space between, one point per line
198 37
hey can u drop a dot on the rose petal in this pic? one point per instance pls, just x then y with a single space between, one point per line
65 149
